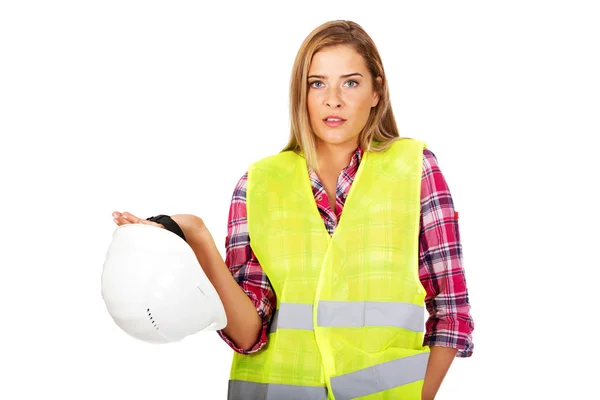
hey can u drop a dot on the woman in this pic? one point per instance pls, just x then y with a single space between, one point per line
353 233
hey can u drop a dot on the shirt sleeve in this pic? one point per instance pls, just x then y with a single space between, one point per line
245 268
441 265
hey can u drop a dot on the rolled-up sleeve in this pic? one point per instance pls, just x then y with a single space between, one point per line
245 268
441 265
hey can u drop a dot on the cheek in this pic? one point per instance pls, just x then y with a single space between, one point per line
312 104
362 107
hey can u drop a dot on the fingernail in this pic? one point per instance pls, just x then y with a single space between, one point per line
114 215
124 216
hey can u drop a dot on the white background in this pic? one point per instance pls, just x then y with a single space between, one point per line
159 107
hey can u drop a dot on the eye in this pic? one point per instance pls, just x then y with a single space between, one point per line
315 84
352 83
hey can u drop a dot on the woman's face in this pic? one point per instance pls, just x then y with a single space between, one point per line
340 95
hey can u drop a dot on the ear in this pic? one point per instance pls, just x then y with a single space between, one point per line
376 92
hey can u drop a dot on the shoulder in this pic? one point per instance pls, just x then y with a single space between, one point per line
405 148
433 179
274 160
260 163
276 167
429 158
417 146
430 161
239 191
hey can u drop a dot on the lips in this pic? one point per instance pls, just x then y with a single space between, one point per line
333 118
333 121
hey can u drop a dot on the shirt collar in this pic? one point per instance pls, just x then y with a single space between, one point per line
354 160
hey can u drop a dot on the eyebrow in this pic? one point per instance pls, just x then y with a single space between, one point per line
343 76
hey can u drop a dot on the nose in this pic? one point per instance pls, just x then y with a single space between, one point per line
333 98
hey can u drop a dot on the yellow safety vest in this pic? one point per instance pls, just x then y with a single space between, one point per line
350 314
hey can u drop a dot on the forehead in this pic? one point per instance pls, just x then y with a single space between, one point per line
337 60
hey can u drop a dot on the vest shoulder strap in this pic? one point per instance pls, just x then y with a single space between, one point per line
279 164
404 155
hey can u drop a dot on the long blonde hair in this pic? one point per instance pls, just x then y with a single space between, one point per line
379 131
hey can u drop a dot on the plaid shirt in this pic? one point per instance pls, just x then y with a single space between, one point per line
440 256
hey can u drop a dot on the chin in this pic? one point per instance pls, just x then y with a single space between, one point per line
336 138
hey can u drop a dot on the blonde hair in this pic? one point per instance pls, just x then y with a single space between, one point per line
380 131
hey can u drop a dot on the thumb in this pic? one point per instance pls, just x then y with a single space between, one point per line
146 222
135 220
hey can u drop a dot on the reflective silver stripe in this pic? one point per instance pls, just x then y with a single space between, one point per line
293 316
349 386
244 390
380 377
371 313
350 314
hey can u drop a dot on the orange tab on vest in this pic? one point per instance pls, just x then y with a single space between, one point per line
456 215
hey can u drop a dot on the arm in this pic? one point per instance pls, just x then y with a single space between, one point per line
243 321
244 271
449 327
439 363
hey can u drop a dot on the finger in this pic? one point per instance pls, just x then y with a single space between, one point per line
121 218
117 219
127 216
146 222
130 218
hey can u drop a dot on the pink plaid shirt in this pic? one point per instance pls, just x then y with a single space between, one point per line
440 256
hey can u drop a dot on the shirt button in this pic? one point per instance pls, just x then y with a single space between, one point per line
319 198
345 195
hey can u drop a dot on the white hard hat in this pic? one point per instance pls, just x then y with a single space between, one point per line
154 287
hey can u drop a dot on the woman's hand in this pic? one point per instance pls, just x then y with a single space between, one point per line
128 218
243 322
192 226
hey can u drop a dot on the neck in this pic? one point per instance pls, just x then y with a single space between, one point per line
335 156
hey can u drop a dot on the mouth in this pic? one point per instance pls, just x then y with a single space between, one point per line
333 121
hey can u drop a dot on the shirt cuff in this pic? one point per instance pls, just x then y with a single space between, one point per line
461 341
265 311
